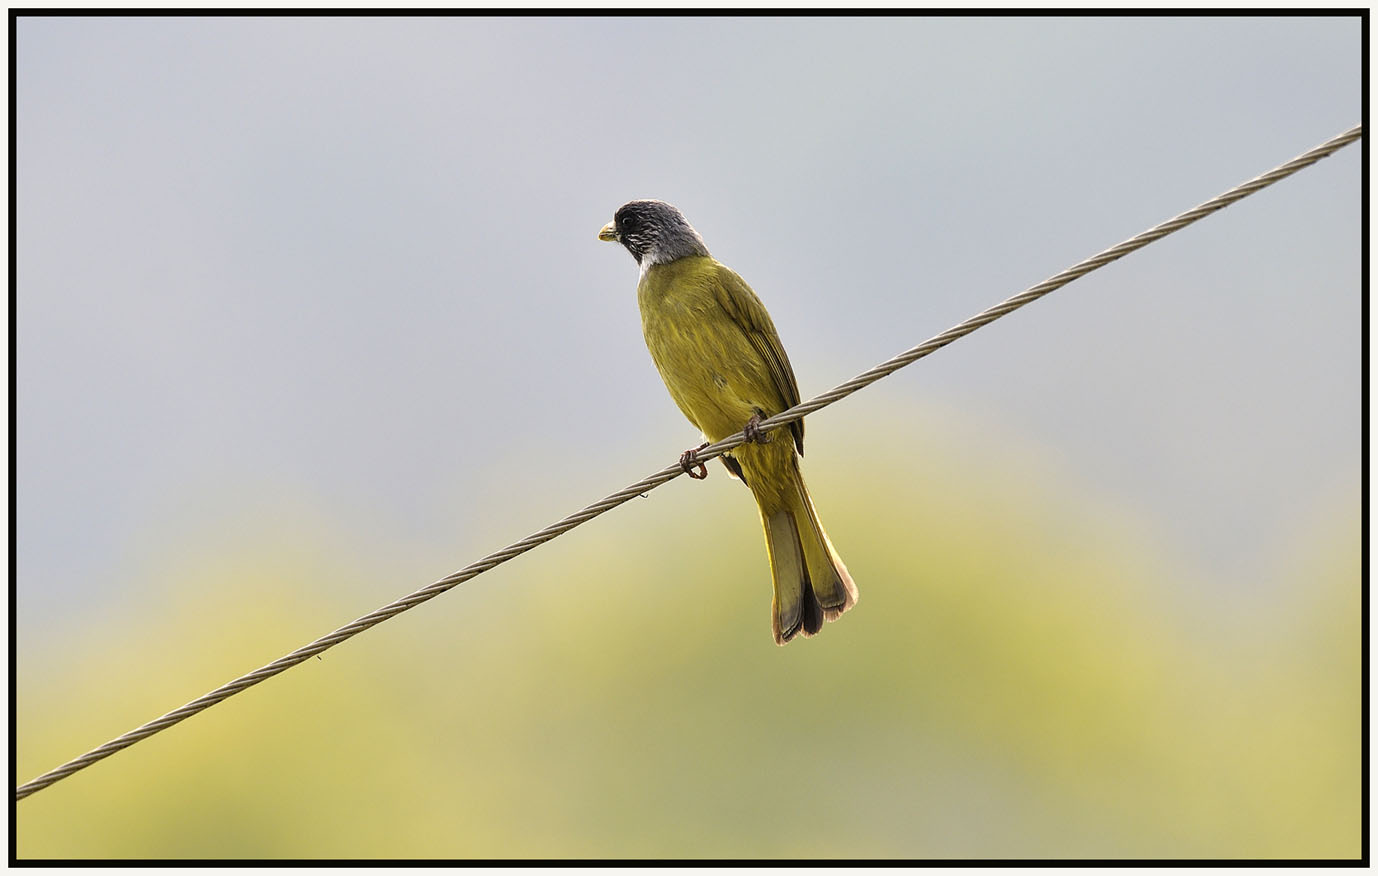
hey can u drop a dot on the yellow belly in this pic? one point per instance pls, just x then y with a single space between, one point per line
710 368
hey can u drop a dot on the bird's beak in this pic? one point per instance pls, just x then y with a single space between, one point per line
609 232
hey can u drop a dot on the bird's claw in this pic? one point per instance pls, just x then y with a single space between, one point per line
753 432
688 460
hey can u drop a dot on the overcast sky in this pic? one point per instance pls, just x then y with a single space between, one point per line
350 264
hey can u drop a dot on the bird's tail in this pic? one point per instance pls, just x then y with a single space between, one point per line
811 582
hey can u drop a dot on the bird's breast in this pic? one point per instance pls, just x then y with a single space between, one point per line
705 359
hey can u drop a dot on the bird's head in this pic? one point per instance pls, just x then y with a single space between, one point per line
654 232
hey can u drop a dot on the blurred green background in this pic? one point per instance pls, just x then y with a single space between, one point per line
1018 680
310 313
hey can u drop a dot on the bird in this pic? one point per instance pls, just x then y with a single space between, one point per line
718 352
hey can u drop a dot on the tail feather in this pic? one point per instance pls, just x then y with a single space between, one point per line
793 606
811 583
832 583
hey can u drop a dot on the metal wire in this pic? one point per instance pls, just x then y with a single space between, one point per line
671 472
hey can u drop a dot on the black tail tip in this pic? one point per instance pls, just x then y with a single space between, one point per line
812 614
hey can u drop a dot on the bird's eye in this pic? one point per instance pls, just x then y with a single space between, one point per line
629 223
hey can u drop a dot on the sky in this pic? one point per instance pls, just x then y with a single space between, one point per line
274 272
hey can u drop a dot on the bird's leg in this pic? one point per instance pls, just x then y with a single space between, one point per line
753 432
689 461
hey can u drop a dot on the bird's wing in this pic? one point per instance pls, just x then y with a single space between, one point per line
750 315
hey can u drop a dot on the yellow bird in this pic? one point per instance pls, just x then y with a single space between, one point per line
720 357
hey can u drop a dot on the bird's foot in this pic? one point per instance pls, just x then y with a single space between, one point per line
753 432
688 460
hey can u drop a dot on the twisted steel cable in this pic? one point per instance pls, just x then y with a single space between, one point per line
671 472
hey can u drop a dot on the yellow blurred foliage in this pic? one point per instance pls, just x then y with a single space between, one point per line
1019 679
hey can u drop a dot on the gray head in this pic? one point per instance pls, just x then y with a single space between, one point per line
654 232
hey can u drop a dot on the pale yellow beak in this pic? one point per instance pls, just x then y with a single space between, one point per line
609 232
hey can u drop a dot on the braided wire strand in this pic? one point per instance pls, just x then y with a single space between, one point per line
671 472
